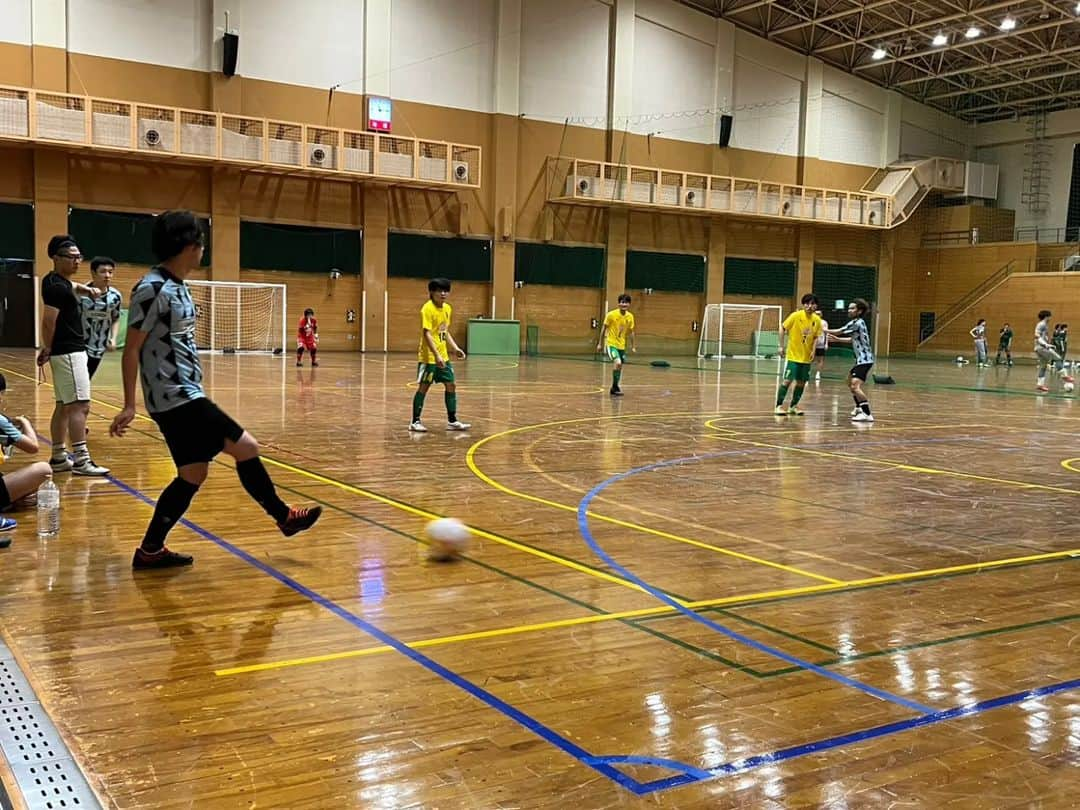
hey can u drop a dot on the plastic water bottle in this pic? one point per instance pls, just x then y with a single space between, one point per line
48 510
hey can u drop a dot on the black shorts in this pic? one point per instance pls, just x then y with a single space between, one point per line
5 496
92 364
196 431
861 371
818 352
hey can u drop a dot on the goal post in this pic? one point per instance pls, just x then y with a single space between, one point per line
239 316
740 331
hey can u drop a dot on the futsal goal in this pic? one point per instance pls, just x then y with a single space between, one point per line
238 316
740 330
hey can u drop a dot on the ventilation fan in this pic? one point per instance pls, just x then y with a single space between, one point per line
153 137
786 209
318 155
583 185
690 197
460 171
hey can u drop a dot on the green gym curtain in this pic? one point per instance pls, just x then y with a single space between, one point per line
837 284
299 248
759 277
17 231
121 236
665 272
411 255
536 263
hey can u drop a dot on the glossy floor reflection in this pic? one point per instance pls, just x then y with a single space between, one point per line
674 599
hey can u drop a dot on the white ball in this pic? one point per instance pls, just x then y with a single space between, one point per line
1067 387
448 538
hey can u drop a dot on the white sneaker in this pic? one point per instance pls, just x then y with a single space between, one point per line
856 411
817 376
459 425
60 466
417 427
862 417
88 467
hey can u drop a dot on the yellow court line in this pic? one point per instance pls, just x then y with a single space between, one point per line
417 512
853 430
1067 464
746 599
529 459
900 465
470 461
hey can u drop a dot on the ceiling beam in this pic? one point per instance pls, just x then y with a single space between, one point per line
1016 60
1011 83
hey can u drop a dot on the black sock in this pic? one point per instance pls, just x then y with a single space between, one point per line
865 407
256 481
171 505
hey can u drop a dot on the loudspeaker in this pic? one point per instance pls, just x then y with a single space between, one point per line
725 130
232 50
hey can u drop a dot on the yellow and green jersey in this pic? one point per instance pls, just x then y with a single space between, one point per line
436 320
619 326
802 329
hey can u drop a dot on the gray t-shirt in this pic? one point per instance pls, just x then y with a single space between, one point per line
860 340
161 306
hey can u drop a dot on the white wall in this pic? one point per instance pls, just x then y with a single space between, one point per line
674 81
852 119
564 60
767 105
317 43
15 21
927 132
1003 143
443 52
176 33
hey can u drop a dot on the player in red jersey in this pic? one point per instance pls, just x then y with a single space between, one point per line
307 337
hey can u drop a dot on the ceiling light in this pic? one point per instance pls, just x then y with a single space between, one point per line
939 40
973 32
879 53
1078 8
1008 24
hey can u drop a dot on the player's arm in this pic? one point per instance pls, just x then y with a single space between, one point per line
632 337
972 332
603 334
49 315
114 330
129 367
18 432
453 345
429 339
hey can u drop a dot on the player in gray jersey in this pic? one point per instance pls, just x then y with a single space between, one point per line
101 315
856 333
1045 352
978 332
161 346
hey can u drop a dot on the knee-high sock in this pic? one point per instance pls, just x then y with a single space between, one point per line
256 480
171 505
417 405
451 406
795 397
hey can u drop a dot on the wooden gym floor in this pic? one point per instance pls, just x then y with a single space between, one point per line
674 599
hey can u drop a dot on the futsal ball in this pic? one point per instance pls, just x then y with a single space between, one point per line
447 538
1067 387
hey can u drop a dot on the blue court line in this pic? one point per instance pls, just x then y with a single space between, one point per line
586 532
598 764
691 775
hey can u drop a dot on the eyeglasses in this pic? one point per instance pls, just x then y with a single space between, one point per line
75 257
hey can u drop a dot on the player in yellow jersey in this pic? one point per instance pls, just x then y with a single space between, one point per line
618 326
802 328
434 365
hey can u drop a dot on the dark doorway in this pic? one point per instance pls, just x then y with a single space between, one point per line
16 303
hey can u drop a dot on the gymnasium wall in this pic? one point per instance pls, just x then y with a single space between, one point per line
1004 143
445 65
1016 302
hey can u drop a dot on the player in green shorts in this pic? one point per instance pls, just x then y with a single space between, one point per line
802 329
619 327
434 358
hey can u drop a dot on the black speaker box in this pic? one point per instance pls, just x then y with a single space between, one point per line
725 130
232 50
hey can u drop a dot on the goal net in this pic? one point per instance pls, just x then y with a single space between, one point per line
239 316
740 330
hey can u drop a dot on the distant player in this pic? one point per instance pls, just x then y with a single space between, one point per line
1046 353
1061 344
856 333
821 346
18 487
307 337
978 332
101 315
802 329
618 329
161 349
434 358
1005 339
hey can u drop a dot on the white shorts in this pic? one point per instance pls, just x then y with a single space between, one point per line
71 378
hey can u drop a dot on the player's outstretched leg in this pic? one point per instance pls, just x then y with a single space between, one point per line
257 483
